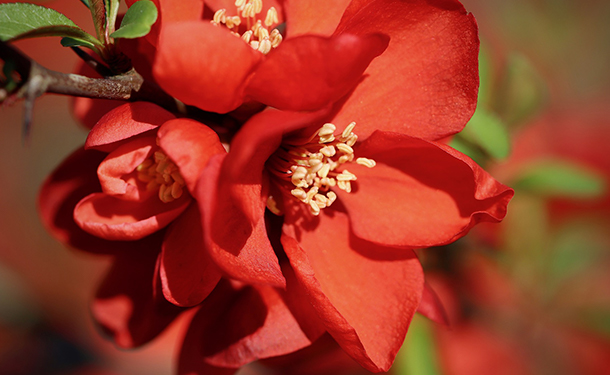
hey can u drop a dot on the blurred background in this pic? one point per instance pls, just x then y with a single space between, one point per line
528 296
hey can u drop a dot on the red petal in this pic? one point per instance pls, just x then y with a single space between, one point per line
172 11
260 137
190 145
420 194
125 122
366 294
117 173
266 328
431 306
308 72
239 246
319 17
74 179
425 84
187 273
211 75
115 219
127 306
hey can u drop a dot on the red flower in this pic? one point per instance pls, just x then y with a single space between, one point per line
333 252
326 48
142 185
350 251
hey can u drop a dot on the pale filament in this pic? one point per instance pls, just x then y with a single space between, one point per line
159 172
311 168
259 34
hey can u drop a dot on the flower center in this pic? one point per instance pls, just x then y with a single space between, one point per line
312 167
159 172
258 34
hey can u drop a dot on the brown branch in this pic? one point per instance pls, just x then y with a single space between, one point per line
37 80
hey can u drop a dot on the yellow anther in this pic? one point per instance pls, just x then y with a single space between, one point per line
327 129
346 176
311 193
159 172
275 37
257 5
345 158
176 190
314 208
345 185
331 197
299 193
351 140
328 151
370 163
254 44
345 148
240 3
323 172
247 36
347 131
271 18
272 206
219 16
264 46
262 33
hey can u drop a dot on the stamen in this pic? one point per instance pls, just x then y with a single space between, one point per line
259 37
370 163
159 172
271 18
310 169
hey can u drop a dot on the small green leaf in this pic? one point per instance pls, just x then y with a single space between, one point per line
556 178
23 20
522 91
86 2
486 130
418 355
72 42
469 149
137 21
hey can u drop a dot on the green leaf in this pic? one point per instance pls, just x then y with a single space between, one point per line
522 91
86 2
71 42
469 149
487 131
556 178
418 355
137 21
23 20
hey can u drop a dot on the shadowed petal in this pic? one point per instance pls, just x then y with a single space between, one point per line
266 328
425 83
308 72
431 306
366 294
127 306
211 75
238 246
319 17
118 220
420 194
71 181
187 273
125 122
190 145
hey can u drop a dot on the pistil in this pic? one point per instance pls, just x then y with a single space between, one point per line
258 33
